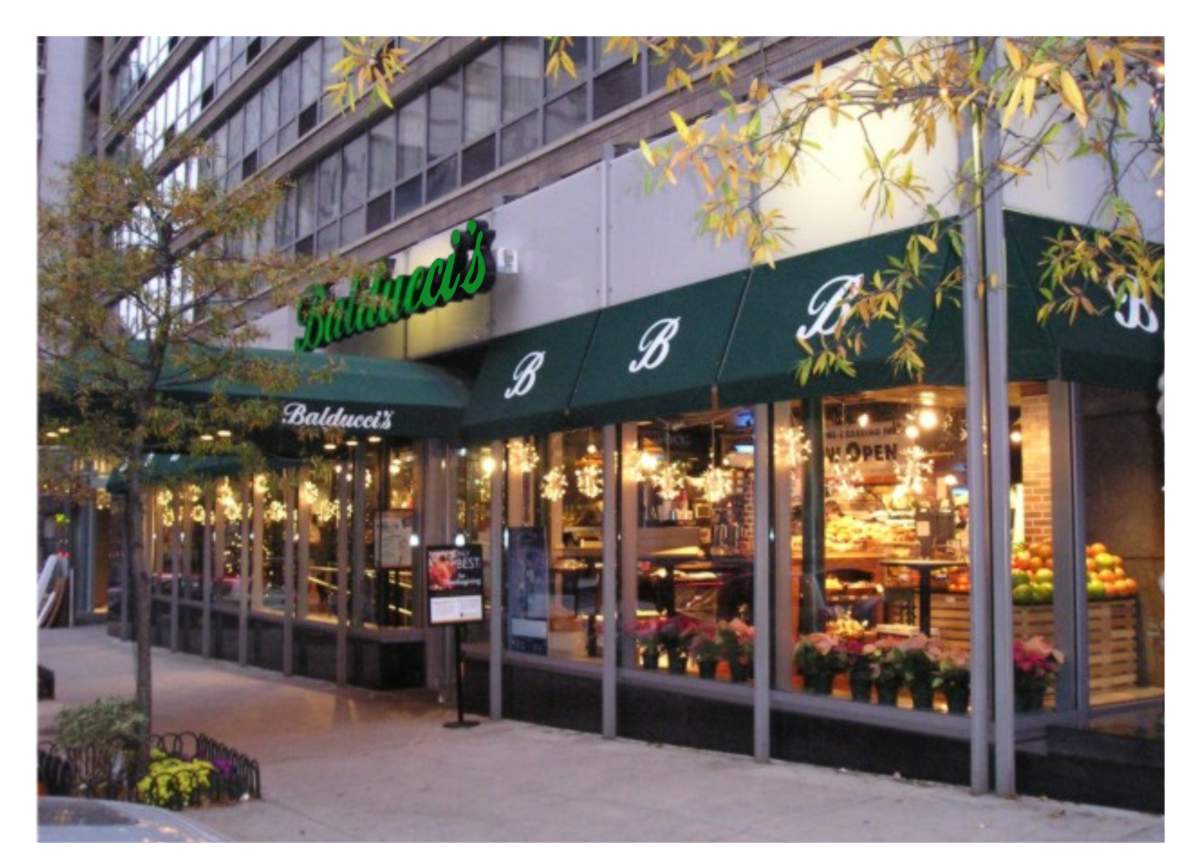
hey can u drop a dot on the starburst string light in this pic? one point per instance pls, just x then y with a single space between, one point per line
523 455
670 479
793 447
914 469
198 514
589 479
163 498
275 512
716 483
554 484
844 481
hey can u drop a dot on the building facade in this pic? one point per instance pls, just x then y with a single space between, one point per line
672 531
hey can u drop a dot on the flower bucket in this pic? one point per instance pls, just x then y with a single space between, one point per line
650 660
818 683
1031 698
739 671
887 693
677 663
957 699
860 686
922 694
708 669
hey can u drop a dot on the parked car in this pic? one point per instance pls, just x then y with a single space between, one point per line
84 820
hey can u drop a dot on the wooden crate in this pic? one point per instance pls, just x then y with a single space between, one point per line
1112 633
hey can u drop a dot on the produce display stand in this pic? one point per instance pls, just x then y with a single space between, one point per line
1112 633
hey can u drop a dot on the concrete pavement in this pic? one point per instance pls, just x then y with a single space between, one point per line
355 765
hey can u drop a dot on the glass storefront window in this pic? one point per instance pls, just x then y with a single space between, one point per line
694 479
880 605
553 531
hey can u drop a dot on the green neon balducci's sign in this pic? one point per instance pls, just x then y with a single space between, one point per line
468 271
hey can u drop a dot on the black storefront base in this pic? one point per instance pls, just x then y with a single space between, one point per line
374 662
536 695
1094 768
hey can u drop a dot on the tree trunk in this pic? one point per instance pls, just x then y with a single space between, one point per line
141 607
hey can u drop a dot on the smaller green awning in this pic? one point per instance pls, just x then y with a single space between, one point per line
658 355
805 293
1119 348
391 397
159 469
526 379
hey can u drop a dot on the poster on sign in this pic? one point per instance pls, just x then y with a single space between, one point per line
528 590
455 579
396 530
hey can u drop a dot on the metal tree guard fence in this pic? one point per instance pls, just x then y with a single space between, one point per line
110 771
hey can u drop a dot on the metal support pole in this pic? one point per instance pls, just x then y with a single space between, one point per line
343 577
998 456
304 515
977 499
781 575
1069 532
256 550
244 577
126 567
762 582
496 588
814 516
608 586
358 539
289 571
628 542
206 557
176 570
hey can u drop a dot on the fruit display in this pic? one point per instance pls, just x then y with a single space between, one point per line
959 581
1106 578
1033 575
857 533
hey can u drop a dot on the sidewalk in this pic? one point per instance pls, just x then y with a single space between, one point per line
356 765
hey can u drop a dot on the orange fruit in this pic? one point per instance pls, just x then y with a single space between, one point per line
1044 550
1119 572
1107 576
1110 590
1091 564
1098 548
1118 560
1036 563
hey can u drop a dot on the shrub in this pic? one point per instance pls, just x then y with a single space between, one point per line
105 723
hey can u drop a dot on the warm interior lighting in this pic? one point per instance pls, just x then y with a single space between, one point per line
912 432
374 438
1015 436
51 435
64 430
330 447
224 434
351 443
928 418
459 540
208 438
864 419
950 480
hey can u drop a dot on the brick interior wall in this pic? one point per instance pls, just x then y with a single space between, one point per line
1035 466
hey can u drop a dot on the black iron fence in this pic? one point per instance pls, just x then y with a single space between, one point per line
185 769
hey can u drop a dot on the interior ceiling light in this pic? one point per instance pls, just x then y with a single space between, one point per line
912 431
1016 437
330 446
224 434
374 438
864 419
352 443
928 418
208 438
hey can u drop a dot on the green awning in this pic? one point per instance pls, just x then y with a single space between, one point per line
391 397
1118 348
803 292
658 355
526 380
159 469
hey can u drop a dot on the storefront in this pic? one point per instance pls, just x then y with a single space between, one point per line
680 542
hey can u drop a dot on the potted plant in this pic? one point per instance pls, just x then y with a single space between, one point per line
953 678
819 657
1035 664
887 668
736 641
705 650
674 632
921 657
859 666
645 633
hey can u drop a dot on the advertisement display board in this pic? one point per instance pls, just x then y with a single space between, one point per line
455 580
528 590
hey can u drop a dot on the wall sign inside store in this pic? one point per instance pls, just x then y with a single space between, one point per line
468 271
297 414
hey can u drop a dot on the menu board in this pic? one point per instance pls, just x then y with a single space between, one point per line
528 590
395 539
455 581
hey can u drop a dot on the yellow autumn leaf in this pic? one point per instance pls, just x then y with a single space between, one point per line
1028 89
1073 97
1011 108
1015 58
1010 168
680 127
646 152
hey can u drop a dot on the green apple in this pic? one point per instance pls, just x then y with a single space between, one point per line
1043 576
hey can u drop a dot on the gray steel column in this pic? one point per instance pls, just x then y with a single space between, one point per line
496 588
781 578
343 567
608 586
998 457
762 582
814 515
206 549
1067 520
304 514
627 619
244 576
289 572
176 569
358 539
977 488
